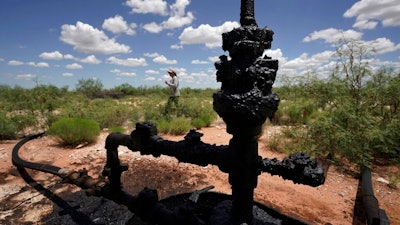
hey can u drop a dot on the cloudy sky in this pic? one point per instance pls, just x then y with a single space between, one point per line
59 42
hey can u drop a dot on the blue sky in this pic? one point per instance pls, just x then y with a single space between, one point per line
59 42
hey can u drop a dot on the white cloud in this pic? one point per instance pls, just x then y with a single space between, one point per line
320 63
127 74
368 11
213 58
377 64
206 34
91 59
117 25
15 63
69 56
177 21
332 35
161 59
27 76
148 6
153 27
151 55
150 79
74 66
127 62
365 24
323 57
176 46
152 72
177 18
199 62
56 55
88 39
67 74
40 64
382 45
123 74
275 54
309 62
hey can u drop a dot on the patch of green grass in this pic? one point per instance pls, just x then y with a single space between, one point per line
174 126
74 131
116 129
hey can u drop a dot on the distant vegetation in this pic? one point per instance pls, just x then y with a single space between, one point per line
25 111
353 114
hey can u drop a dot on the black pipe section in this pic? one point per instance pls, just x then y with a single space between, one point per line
78 217
375 215
190 150
247 13
145 205
298 167
19 162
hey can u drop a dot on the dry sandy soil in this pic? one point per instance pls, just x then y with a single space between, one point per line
49 201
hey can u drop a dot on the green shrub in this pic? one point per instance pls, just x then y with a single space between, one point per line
74 131
274 142
163 126
180 125
106 112
8 129
117 129
198 123
204 120
175 126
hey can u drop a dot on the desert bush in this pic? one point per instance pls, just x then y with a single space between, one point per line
180 125
32 108
163 126
204 120
198 123
358 119
74 131
175 126
91 88
116 129
106 112
8 129
293 112
275 142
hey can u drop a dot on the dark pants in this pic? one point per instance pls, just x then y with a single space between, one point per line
172 100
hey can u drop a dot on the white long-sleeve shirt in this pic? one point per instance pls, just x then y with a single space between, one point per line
174 86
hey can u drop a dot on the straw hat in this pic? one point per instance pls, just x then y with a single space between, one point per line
172 71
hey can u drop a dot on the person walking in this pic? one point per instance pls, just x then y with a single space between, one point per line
174 93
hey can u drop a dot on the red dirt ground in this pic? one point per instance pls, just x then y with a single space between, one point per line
20 203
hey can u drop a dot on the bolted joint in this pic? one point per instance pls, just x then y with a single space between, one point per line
193 138
143 138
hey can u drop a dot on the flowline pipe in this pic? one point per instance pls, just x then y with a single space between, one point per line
145 205
374 215
19 162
